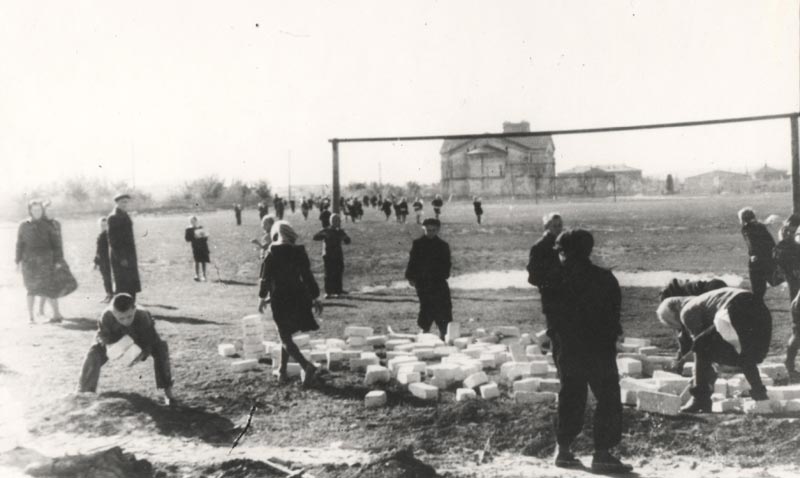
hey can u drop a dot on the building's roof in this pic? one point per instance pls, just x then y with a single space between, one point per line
717 173
487 149
767 170
528 142
609 169
586 171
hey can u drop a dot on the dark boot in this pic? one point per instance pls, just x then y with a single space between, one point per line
566 459
605 462
697 405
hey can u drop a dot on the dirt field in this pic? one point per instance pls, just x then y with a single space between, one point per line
328 430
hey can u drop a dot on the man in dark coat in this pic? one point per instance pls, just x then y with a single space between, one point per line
428 270
123 318
760 244
237 211
587 332
122 249
729 326
544 272
332 255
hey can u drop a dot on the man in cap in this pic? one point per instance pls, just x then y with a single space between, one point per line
729 326
760 244
544 272
122 248
428 270
587 333
121 318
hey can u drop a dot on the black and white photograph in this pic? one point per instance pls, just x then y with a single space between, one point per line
420 239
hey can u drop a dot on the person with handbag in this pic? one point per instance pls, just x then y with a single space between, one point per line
289 287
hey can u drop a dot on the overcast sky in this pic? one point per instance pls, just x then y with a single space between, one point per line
169 91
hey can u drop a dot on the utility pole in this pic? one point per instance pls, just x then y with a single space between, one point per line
336 193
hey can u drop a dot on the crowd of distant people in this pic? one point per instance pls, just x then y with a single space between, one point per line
581 302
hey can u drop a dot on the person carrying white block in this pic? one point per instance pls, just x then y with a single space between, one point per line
121 322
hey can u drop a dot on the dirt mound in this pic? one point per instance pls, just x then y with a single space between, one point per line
111 463
397 464
240 468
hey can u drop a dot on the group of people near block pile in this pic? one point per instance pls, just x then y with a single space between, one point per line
581 303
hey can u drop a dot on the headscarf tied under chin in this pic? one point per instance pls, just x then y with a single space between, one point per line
282 233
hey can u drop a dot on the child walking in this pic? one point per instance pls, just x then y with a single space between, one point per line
198 237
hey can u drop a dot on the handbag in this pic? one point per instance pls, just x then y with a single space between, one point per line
63 282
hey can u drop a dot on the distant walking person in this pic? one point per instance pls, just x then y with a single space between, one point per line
418 209
288 286
263 209
40 258
386 207
122 248
427 271
325 216
545 272
102 262
198 237
760 244
587 334
305 206
477 205
402 209
437 204
280 207
237 211
332 255
123 318
292 205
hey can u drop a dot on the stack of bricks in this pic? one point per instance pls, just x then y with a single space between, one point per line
253 337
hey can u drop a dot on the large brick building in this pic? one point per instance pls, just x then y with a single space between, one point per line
498 166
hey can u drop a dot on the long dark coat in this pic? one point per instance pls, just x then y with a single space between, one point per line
39 252
759 246
199 245
287 279
121 248
429 268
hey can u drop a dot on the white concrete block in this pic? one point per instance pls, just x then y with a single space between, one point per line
525 340
447 371
789 392
391 344
627 348
488 339
361 363
424 353
549 385
527 385
244 365
395 354
462 342
406 377
335 344
469 368
412 367
293 369
226 350
637 342
409 347
539 368
318 356
489 391
444 350
629 367
423 391
651 363
671 383
480 332
513 370
429 339
356 341
487 360
358 331
542 338
533 350
791 406
775 371
302 340
376 374
656 402
628 397
475 380
253 339
440 382
117 349
453 332
394 363
507 331
724 406
535 397
375 399
688 369
649 350
517 352
721 387
463 394
760 407
377 340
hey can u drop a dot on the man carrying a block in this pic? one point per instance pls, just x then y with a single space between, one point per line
122 318
729 326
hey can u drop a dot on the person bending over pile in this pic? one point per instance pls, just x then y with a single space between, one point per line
729 326
290 289
122 318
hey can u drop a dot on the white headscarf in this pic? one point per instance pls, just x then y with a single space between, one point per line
283 233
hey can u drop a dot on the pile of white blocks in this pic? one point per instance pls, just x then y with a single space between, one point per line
253 337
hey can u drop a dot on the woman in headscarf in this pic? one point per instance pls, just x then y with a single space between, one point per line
40 257
290 289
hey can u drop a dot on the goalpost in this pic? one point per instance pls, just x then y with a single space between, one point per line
792 117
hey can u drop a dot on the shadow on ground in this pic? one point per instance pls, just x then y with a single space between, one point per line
181 420
235 282
180 319
80 323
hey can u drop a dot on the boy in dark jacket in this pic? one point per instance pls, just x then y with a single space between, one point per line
102 262
332 255
428 270
760 244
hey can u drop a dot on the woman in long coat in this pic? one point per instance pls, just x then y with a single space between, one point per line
40 257
288 285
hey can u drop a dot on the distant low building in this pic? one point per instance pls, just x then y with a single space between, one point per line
718 181
599 180
769 174
498 166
